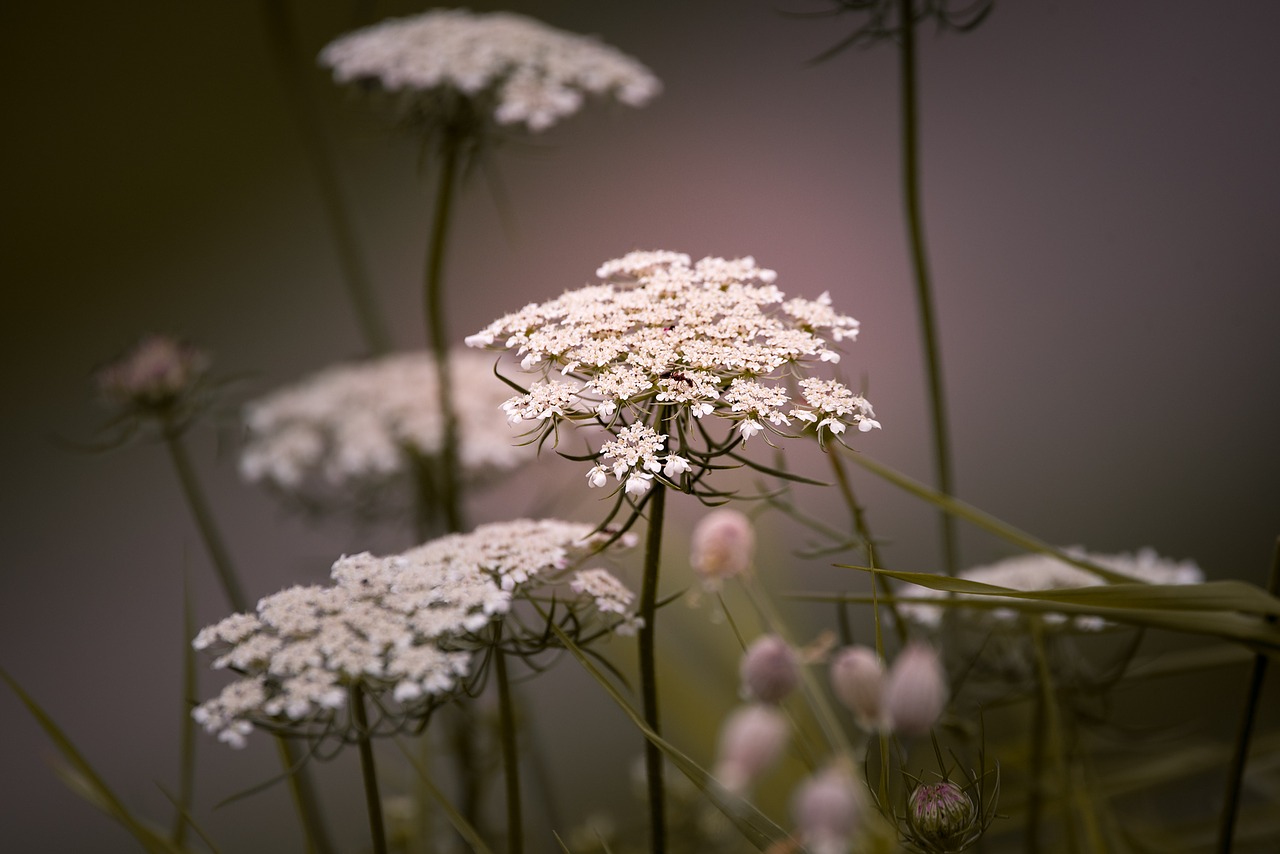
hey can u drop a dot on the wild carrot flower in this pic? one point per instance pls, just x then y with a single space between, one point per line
404 628
1032 572
355 428
664 345
499 67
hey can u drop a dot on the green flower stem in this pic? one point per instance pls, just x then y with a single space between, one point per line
369 772
437 329
649 668
1049 731
1240 757
510 756
301 787
284 52
187 730
920 267
864 531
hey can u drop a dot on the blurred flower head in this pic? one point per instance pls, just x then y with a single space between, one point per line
915 691
769 670
404 628
827 809
751 741
667 343
455 68
355 429
857 678
158 378
724 544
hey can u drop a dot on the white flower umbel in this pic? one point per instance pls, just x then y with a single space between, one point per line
1033 572
352 428
688 341
510 69
403 628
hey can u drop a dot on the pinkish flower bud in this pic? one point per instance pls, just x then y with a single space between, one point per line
723 546
826 808
752 739
857 678
941 814
153 374
915 692
770 669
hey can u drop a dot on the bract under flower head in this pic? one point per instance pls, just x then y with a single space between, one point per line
510 69
402 627
354 427
714 338
1044 572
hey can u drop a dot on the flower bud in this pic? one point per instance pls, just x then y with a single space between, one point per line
915 692
941 814
857 678
153 374
826 808
752 739
770 669
723 546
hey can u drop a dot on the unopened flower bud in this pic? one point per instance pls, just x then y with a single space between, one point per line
857 678
752 739
723 546
915 692
153 374
826 808
941 814
770 669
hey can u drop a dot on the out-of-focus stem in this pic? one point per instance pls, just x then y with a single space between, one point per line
653 759
510 756
369 772
437 328
304 796
920 267
187 744
1240 758
283 43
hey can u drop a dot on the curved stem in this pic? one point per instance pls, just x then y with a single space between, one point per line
510 756
283 43
303 792
1240 758
649 668
369 772
920 267
437 329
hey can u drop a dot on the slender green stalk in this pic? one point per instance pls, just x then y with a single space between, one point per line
187 730
1050 732
301 788
510 755
283 43
864 531
437 329
369 772
920 267
1240 757
649 668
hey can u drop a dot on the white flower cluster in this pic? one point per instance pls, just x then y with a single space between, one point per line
1035 572
635 455
402 625
715 337
524 71
355 425
610 596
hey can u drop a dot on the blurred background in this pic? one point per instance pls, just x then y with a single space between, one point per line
1102 203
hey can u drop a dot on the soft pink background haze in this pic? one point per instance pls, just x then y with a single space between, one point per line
1102 197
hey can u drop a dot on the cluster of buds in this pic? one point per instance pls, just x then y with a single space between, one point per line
906 699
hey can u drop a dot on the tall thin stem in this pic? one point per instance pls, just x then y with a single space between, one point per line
510 754
369 772
437 328
1240 758
300 785
187 742
920 267
283 43
653 761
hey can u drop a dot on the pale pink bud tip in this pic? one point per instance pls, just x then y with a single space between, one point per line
857 678
916 690
770 669
723 545
941 813
826 808
752 739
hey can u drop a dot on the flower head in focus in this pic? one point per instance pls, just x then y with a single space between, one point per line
451 70
351 431
404 628
666 348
